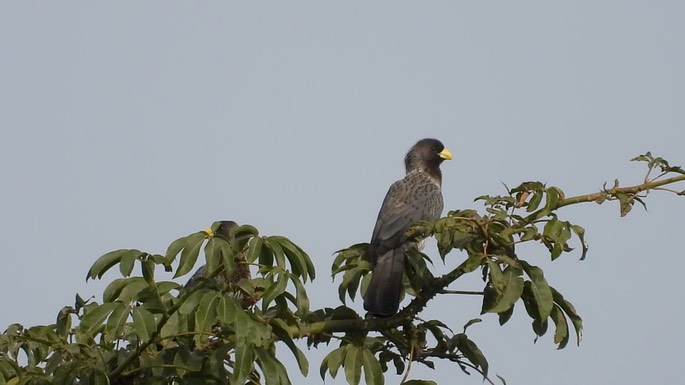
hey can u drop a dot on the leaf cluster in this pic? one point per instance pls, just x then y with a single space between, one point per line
147 331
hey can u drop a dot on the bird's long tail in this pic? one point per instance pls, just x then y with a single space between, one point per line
382 297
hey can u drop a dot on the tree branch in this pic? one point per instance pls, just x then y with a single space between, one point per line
597 197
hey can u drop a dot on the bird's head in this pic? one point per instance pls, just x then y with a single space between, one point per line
224 229
426 154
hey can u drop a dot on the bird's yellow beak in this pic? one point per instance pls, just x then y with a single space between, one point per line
445 154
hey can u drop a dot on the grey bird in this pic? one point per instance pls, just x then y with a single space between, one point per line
415 198
240 270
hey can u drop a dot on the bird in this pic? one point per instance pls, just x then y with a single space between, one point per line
241 269
415 198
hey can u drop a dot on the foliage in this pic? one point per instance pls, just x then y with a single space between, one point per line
147 331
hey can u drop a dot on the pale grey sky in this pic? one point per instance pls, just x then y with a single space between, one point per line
129 124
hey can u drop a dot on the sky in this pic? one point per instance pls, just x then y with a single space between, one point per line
131 124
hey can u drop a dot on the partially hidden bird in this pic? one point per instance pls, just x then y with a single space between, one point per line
415 198
241 270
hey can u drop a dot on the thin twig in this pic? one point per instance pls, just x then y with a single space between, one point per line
412 347
464 292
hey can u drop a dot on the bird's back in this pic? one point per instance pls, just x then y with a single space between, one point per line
413 199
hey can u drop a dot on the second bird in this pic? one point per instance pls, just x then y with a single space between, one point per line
415 198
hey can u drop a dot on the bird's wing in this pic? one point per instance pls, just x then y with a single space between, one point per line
410 200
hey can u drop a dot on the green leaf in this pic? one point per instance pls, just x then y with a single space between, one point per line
94 318
243 231
472 322
298 266
166 286
640 201
9 370
281 329
554 194
625 202
556 234
63 323
213 253
176 324
219 252
274 371
350 254
561 334
116 321
255 249
539 327
496 276
473 262
398 362
462 239
472 353
190 304
282 374
226 308
108 260
570 311
509 261
445 240
216 362
434 327
191 250
417 271
534 202
277 250
266 256
148 267
174 248
350 282
275 289
529 233
244 362
150 299
489 297
513 287
643 158
580 232
300 295
241 322
228 258
205 315
373 373
268 365
539 324
161 260
131 289
505 316
99 378
542 294
353 364
419 382
128 261
144 323
299 260
332 362
112 291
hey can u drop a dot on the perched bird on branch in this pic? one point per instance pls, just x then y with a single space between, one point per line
415 198
240 270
